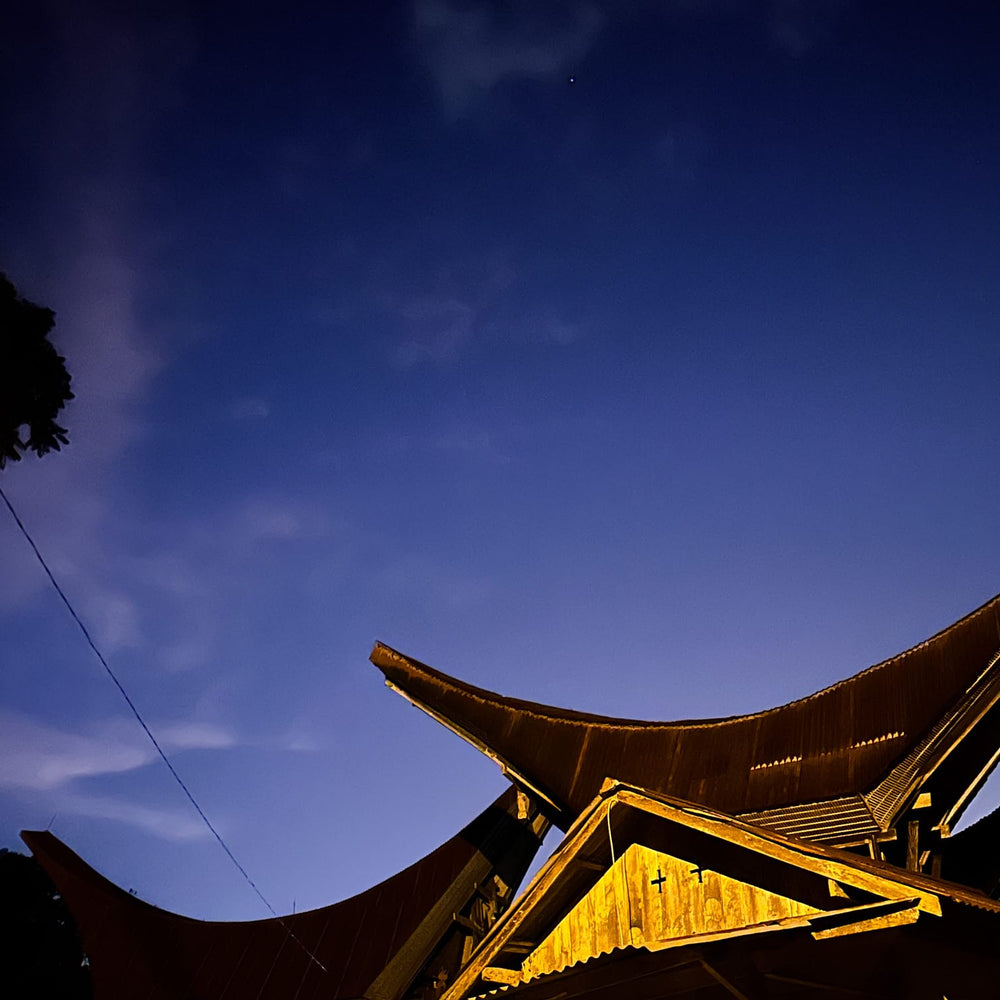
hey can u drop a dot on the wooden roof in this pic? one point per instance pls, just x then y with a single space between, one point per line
373 945
870 741
894 921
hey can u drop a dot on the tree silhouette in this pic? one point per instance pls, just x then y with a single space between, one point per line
40 952
34 383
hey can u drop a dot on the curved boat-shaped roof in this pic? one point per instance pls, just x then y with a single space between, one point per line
372 945
836 743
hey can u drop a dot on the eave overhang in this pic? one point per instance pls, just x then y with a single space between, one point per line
870 742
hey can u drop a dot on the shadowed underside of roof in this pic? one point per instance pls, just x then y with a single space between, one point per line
370 945
840 742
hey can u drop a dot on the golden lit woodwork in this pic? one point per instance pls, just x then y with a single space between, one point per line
647 897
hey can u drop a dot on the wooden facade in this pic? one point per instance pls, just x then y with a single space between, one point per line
729 910
649 899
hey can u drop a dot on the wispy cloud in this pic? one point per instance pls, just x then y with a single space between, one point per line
469 49
464 305
195 736
54 766
37 756
170 824
276 518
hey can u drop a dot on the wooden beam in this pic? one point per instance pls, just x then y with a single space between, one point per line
486 895
913 845
863 913
505 930
800 856
952 816
723 982
887 799
898 919
497 974
836 889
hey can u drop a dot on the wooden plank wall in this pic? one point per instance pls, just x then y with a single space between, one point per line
631 905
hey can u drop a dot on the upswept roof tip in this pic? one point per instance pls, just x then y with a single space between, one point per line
391 661
836 744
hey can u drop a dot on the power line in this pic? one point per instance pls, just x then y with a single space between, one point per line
142 722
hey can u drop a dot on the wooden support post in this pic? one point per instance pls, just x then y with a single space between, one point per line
936 865
523 805
487 895
913 845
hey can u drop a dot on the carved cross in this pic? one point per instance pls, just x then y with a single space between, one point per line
658 881
697 871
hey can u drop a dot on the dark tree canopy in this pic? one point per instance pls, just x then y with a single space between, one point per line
40 952
34 383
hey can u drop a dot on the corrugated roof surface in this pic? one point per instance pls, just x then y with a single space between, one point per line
836 743
138 950
837 821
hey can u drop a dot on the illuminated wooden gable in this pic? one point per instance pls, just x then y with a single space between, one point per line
689 899
651 899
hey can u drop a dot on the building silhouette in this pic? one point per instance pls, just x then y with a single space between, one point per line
804 851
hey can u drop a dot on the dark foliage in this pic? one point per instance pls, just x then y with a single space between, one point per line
40 952
34 383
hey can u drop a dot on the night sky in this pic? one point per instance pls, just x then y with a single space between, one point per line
638 358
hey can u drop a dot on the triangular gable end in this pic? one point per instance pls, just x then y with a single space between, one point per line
650 899
681 875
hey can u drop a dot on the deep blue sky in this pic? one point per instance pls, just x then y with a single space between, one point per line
667 392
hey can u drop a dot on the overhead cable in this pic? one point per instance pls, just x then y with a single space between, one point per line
145 728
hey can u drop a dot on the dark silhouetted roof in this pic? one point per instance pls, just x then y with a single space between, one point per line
372 944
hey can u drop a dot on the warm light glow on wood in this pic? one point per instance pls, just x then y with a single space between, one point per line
647 897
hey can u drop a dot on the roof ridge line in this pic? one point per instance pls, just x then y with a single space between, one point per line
576 717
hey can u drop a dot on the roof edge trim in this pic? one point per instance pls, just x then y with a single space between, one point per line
508 770
386 658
